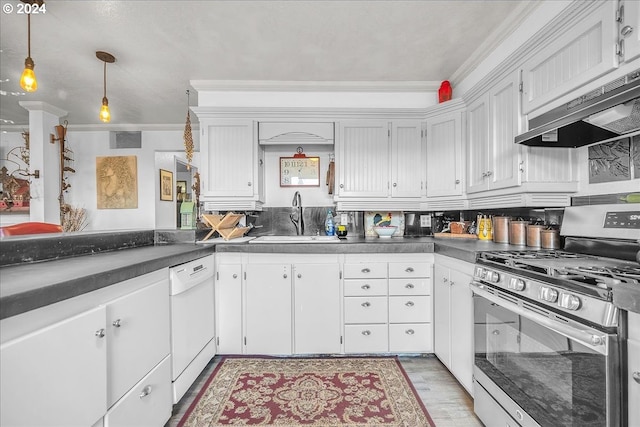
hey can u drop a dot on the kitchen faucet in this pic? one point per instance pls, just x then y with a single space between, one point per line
296 217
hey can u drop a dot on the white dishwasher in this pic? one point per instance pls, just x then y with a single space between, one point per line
192 322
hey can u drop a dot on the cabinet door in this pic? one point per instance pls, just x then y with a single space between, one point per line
228 158
442 315
505 119
267 309
407 159
56 376
228 311
477 145
461 328
364 159
317 308
630 30
633 382
138 328
580 54
444 155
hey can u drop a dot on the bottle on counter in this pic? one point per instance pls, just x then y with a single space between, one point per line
329 226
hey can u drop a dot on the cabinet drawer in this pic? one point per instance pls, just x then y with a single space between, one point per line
366 338
410 286
408 309
365 287
148 403
365 270
409 269
365 310
411 338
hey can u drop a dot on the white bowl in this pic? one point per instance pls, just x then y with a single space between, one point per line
385 231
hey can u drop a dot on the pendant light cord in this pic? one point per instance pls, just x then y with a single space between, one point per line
105 80
29 35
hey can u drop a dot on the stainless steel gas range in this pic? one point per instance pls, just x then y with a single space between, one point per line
550 325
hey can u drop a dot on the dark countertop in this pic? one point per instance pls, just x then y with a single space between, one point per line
29 285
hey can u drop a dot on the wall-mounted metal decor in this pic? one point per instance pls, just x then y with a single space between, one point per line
610 161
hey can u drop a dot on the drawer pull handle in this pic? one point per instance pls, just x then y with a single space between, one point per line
366 270
409 304
117 323
636 376
410 332
365 287
145 391
409 286
366 333
100 333
409 270
366 304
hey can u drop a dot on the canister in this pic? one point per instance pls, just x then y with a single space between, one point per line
501 229
550 238
518 232
533 235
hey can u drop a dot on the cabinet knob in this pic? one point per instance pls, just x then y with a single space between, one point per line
235 276
452 283
409 270
100 333
457 181
409 332
409 304
366 270
249 183
145 391
409 286
489 173
365 287
484 174
395 184
366 304
445 280
284 276
341 185
299 276
366 333
636 376
117 323
626 30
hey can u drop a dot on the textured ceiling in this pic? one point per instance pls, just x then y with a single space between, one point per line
161 45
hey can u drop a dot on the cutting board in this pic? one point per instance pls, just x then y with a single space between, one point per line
455 236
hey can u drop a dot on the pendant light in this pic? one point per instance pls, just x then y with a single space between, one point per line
105 114
28 80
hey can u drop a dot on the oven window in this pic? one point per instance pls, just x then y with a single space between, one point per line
556 380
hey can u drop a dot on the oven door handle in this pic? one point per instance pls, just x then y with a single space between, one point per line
591 338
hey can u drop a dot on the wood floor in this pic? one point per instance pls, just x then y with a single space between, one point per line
447 402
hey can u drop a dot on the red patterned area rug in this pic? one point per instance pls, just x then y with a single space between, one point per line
291 392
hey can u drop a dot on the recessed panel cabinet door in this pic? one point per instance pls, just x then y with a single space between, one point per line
56 376
477 145
268 309
317 308
228 299
407 159
444 155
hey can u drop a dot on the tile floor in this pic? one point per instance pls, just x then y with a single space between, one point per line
447 402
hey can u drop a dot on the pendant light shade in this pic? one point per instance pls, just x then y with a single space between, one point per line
105 114
28 80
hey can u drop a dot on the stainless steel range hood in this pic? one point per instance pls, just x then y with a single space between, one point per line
609 111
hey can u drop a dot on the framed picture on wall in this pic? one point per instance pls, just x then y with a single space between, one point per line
181 190
166 185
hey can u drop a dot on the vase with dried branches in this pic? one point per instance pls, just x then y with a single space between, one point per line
74 219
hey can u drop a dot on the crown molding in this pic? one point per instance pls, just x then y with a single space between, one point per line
313 86
288 113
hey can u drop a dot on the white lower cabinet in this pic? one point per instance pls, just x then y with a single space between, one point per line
228 300
69 363
56 376
148 403
453 317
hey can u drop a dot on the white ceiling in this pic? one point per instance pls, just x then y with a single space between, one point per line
162 45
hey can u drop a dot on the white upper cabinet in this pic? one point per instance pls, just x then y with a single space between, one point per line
380 159
493 120
231 164
444 154
629 30
581 53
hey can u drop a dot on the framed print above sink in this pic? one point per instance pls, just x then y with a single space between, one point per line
299 171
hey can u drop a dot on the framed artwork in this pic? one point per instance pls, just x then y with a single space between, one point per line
166 185
117 182
299 171
181 190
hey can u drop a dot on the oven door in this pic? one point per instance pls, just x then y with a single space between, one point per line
543 369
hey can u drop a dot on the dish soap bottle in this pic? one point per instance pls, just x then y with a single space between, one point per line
329 227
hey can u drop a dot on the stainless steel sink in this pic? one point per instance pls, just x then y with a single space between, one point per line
295 239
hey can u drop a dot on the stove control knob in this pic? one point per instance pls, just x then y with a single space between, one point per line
516 284
569 301
597 340
492 276
479 273
548 294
